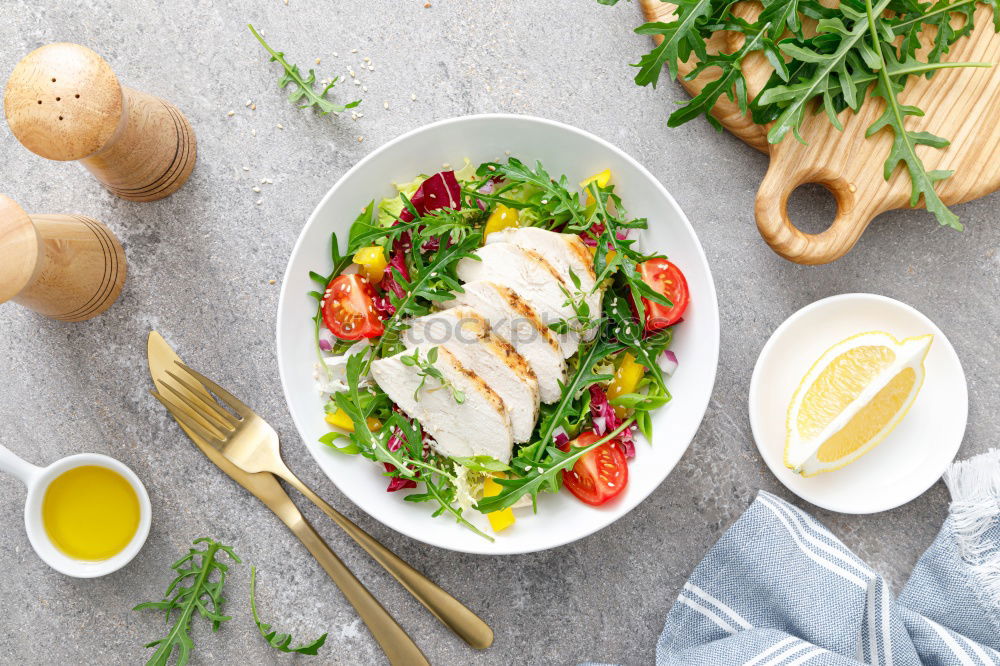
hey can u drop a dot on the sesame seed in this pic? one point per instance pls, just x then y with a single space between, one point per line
271 281
253 132
231 114
356 82
259 201
427 5
354 50
253 107
360 139
317 61
491 167
367 59
246 168
364 88
385 105
249 102
280 126
256 189
351 72
544 201
413 98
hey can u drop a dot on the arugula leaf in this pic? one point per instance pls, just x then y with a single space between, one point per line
536 478
191 591
432 280
680 38
560 205
425 368
731 83
304 91
280 642
905 142
837 64
481 463
555 415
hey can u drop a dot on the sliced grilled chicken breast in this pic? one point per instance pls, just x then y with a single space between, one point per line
531 277
479 425
565 252
512 319
466 334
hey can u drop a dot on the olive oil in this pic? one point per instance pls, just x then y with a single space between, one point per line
90 512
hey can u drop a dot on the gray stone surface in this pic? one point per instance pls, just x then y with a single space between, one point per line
200 263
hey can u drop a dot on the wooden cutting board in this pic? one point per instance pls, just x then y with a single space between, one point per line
962 105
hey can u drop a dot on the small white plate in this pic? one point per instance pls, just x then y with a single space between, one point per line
913 457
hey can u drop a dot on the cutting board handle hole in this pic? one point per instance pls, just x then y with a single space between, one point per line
812 208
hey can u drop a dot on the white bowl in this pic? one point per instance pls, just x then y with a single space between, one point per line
562 150
913 456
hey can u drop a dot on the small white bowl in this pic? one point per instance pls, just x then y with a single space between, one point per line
913 457
562 150
37 479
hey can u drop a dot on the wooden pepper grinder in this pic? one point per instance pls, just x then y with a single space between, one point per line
66 267
63 102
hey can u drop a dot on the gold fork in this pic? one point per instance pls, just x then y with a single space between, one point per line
251 444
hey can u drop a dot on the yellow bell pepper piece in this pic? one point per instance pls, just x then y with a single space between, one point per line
602 179
504 518
372 262
627 377
501 218
340 419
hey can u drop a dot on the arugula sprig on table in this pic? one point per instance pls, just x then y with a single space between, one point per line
280 642
822 56
197 589
303 85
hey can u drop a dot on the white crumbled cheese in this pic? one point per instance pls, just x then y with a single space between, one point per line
334 378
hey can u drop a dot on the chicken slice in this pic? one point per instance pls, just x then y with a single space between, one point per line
478 425
466 334
566 252
531 277
512 319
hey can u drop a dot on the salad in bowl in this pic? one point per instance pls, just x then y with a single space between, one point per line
491 335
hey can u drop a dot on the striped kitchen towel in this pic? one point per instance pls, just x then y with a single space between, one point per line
779 589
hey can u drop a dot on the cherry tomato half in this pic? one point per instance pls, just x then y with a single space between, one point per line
666 279
347 308
600 475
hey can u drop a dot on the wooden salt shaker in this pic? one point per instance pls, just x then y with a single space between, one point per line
63 102
67 267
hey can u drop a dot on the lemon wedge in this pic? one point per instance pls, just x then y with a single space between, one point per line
853 396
